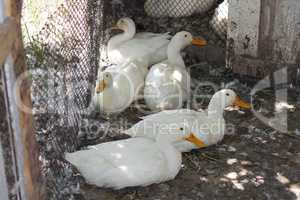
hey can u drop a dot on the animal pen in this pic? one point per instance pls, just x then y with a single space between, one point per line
64 59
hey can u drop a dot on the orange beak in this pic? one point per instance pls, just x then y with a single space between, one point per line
199 42
193 139
240 103
101 87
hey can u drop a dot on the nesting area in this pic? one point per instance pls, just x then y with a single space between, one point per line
253 161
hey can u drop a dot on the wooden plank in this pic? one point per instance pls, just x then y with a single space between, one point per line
3 180
279 31
272 28
7 37
243 33
28 158
244 17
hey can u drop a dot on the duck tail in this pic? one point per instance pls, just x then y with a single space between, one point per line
167 35
71 158
132 132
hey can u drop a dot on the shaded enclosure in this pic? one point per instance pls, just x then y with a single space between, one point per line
64 59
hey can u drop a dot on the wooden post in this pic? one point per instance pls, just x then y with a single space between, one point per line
3 180
27 151
7 37
263 35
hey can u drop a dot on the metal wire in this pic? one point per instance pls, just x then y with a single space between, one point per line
220 20
72 44
177 8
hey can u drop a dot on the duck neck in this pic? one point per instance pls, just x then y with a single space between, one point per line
174 55
119 39
215 109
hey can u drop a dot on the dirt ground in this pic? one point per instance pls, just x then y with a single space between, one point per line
255 162
252 164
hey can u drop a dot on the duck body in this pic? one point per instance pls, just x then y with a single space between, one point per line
166 86
160 125
126 86
152 47
127 163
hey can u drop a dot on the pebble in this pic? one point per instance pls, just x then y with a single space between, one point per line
200 194
232 161
210 172
232 175
246 163
231 149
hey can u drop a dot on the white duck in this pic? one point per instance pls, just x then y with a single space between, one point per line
128 163
166 85
207 127
117 87
129 45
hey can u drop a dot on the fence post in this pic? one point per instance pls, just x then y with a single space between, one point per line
30 183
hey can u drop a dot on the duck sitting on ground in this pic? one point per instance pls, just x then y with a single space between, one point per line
118 87
208 127
152 47
167 83
128 163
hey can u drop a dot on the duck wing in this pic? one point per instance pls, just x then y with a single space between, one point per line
163 123
119 164
152 47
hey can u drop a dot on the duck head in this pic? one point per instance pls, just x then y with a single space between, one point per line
105 81
223 99
183 39
180 41
127 25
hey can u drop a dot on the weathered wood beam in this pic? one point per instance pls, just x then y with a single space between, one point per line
263 35
3 180
31 171
7 37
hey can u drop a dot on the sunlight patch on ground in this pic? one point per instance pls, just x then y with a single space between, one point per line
295 188
282 179
232 161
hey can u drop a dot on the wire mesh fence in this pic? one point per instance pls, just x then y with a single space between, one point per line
64 59
219 21
177 8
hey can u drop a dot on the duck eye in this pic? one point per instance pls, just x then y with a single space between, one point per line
227 94
181 129
185 36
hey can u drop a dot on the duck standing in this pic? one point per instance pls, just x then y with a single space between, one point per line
166 85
